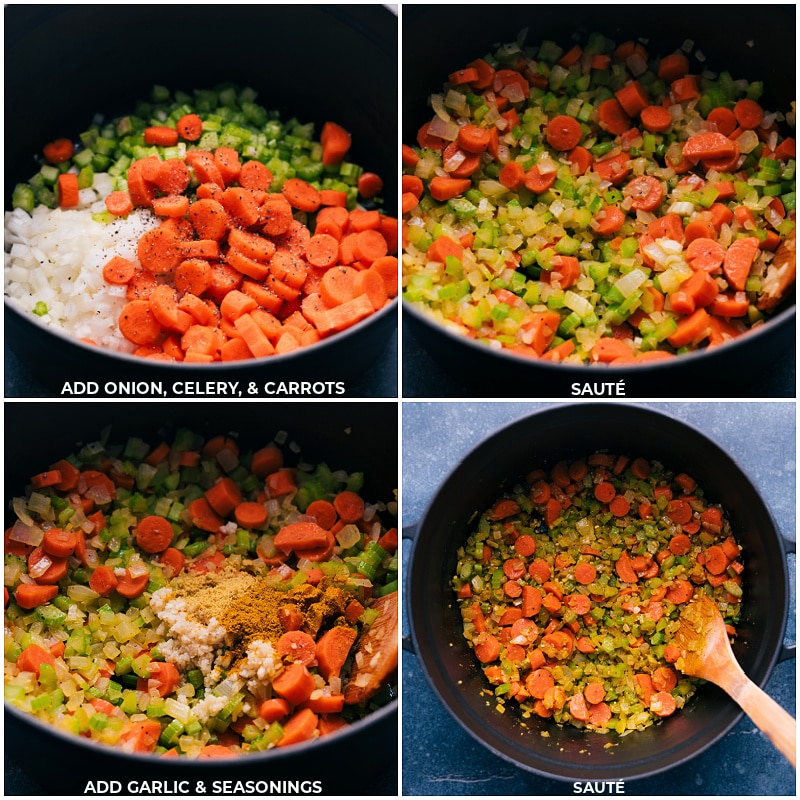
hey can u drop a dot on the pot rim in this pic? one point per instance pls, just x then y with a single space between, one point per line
545 765
279 361
660 367
385 713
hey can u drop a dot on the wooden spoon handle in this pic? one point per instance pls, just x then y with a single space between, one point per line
775 722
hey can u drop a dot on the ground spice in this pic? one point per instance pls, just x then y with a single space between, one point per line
247 607
209 595
252 616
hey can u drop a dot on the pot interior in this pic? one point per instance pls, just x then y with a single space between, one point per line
539 441
72 43
342 38
763 50
351 436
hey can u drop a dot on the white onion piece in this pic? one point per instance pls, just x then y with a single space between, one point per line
26 534
20 506
40 567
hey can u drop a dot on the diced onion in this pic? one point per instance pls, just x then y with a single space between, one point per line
40 567
26 534
80 593
630 282
348 536
20 506
437 104
137 568
444 130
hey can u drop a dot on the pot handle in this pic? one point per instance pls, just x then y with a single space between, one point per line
409 532
788 650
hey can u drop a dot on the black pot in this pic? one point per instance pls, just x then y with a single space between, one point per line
763 49
300 58
344 435
541 439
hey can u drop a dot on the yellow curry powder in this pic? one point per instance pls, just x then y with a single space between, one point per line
248 607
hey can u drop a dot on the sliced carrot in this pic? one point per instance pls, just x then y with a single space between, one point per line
685 88
294 684
190 127
301 536
369 185
387 268
708 145
119 203
58 542
614 169
349 506
723 119
345 315
297 647
338 285
172 561
443 189
289 268
679 591
323 512
142 737
645 191
690 329
322 250
67 190
242 207
32 658
538 181
161 135
119 271
203 516
31 595
205 167
154 534
335 141
274 709
301 194
370 283
632 97
656 119
301 727
224 496
138 324
131 586
158 251
748 113
164 306
103 580
612 117
739 260
171 205
337 198
276 216
250 175
369 245
58 151
512 175
672 67
193 276
624 568
251 514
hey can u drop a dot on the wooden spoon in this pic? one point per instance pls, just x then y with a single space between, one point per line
706 653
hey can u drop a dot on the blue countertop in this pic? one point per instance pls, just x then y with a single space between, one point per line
439 758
